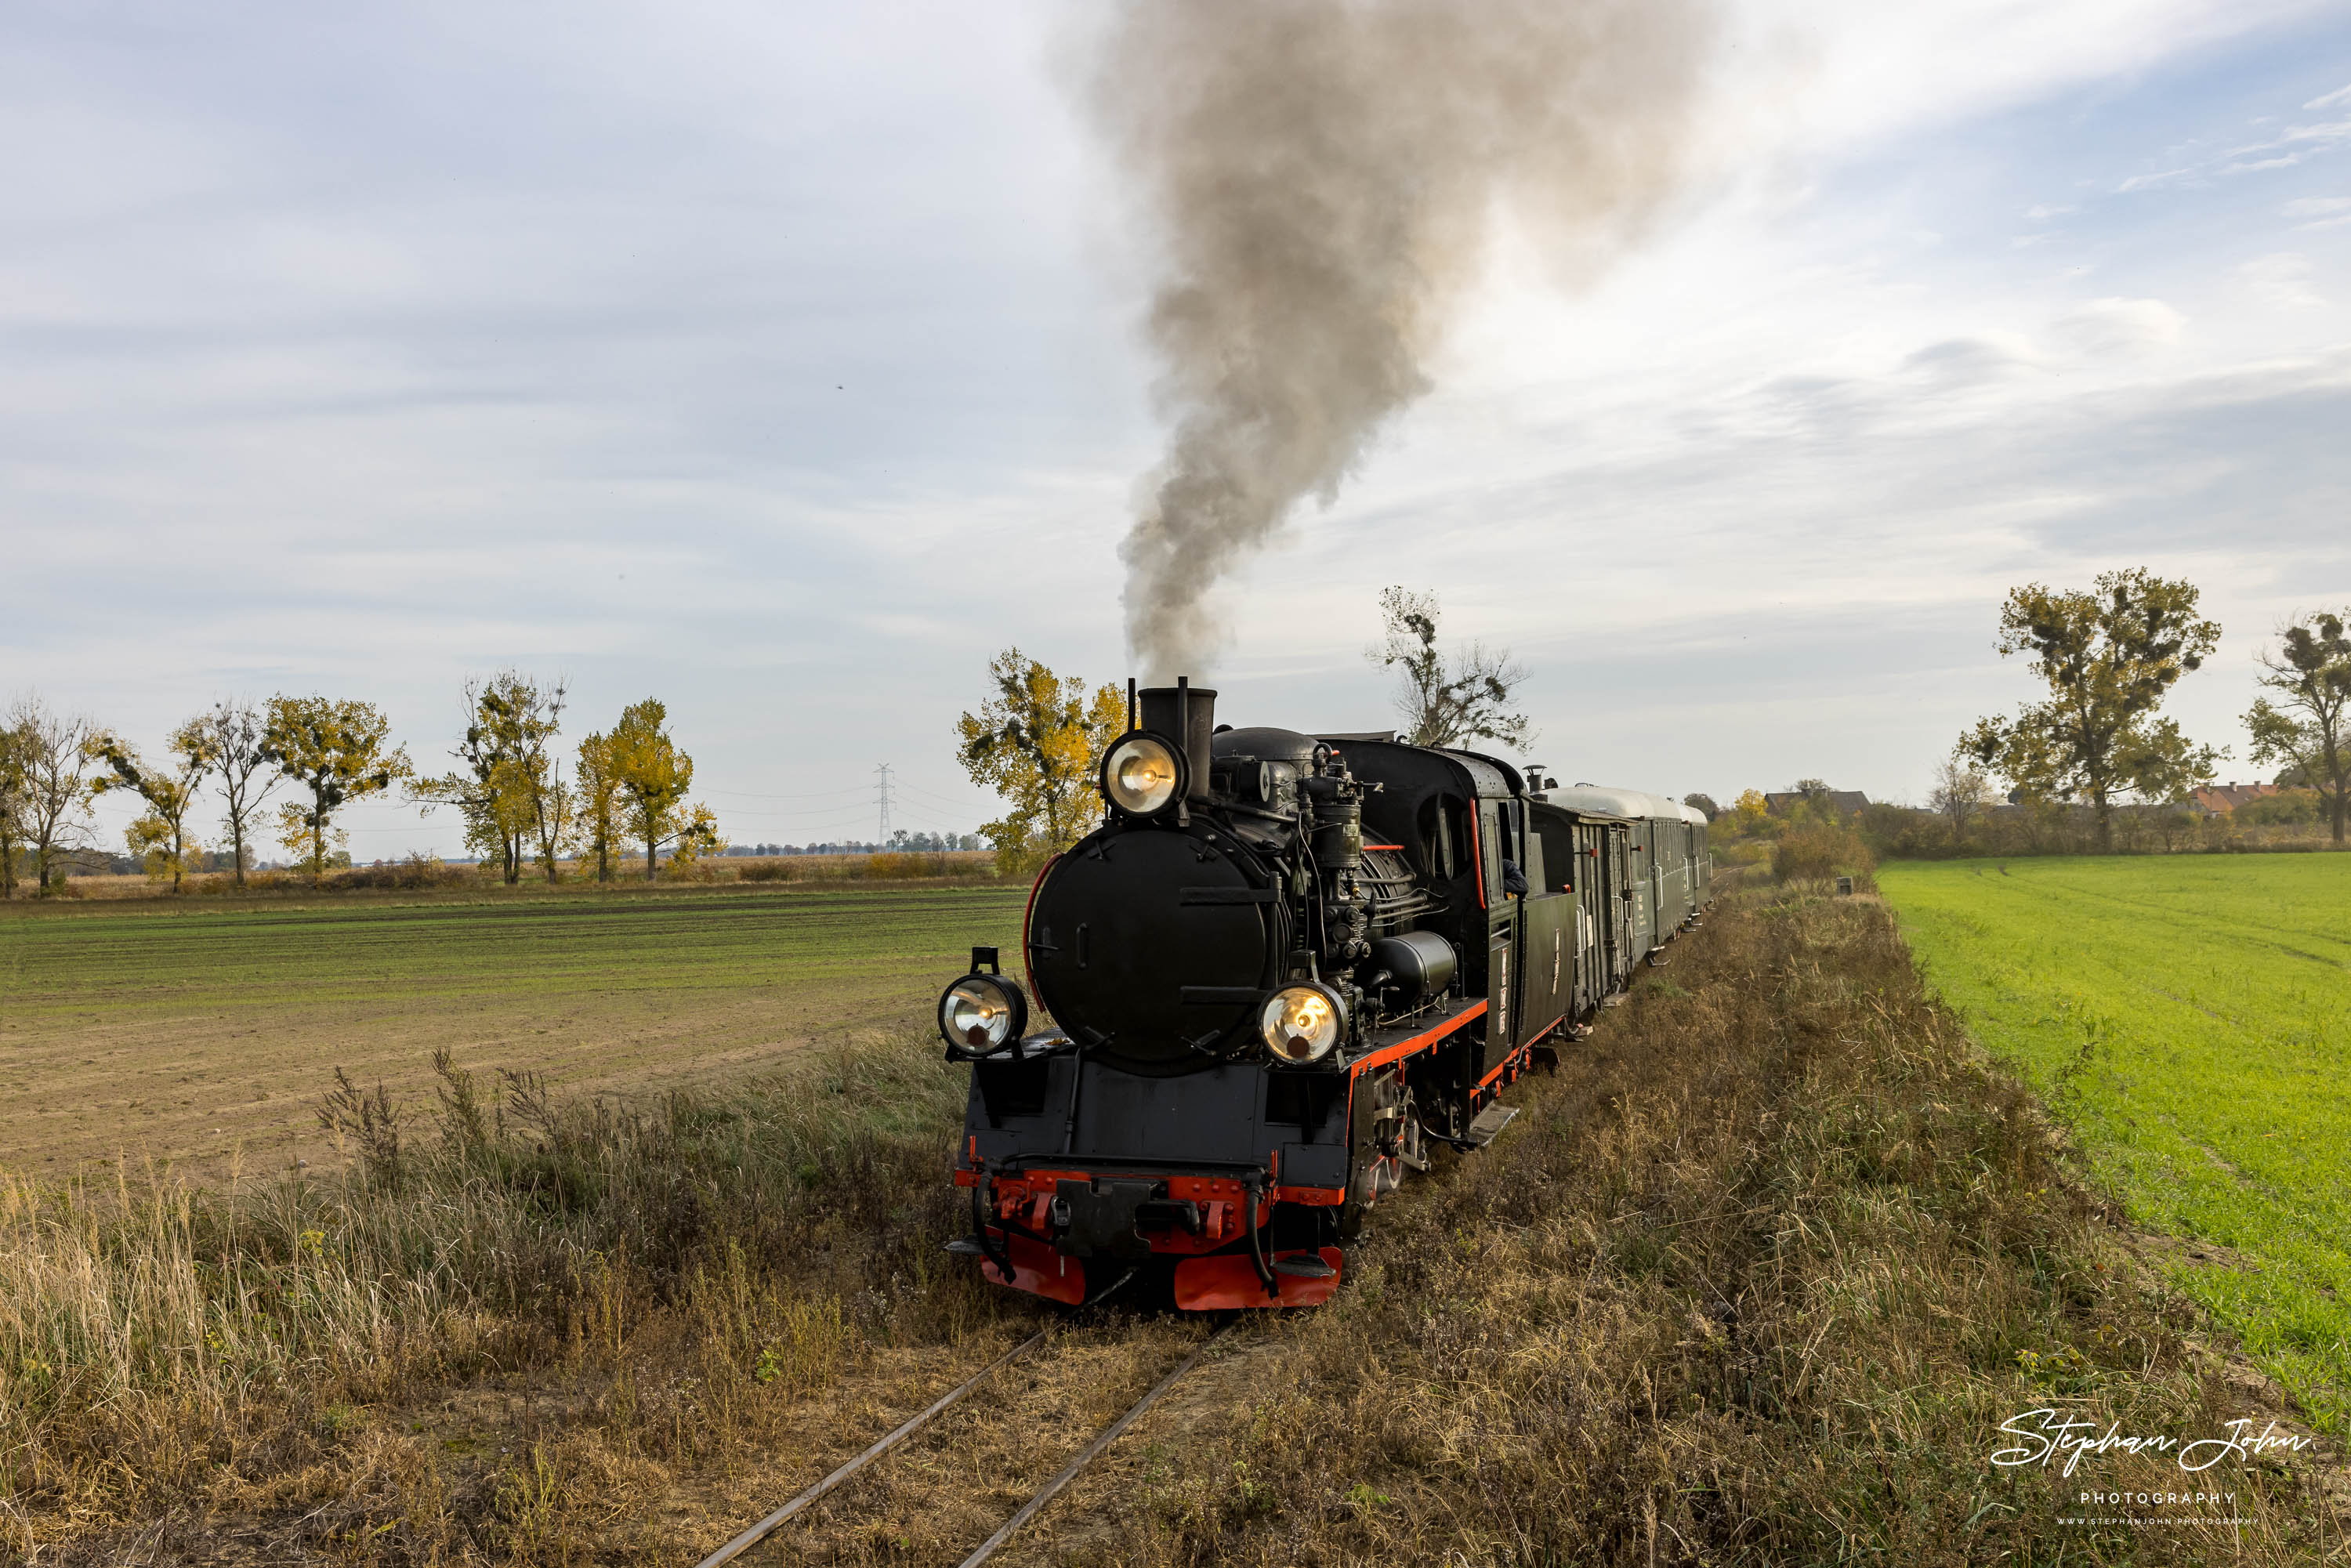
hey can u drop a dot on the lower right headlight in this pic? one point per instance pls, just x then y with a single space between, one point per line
1303 1021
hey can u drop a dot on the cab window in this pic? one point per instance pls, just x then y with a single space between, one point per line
1445 836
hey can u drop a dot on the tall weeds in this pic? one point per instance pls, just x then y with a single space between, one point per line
160 1344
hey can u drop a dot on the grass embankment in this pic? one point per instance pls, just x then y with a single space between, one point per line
198 1029
2192 1020
1756 1276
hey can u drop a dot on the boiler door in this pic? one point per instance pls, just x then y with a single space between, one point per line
1152 946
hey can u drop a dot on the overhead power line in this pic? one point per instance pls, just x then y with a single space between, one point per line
817 795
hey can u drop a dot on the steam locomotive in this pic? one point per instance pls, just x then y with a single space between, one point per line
1283 969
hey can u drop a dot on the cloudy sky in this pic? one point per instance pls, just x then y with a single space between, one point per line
781 360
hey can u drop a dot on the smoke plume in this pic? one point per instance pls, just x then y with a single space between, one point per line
1322 178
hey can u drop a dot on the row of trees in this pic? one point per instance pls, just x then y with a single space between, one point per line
628 786
2109 656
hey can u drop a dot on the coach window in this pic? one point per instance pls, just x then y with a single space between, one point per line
1558 853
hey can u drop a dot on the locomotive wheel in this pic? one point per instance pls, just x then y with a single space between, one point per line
1389 1142
1371 1163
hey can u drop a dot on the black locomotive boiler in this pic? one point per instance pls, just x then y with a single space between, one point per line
1283 968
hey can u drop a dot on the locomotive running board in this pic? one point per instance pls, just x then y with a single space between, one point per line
1489 1122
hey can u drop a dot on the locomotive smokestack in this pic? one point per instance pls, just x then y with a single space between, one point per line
1319 180
1186 715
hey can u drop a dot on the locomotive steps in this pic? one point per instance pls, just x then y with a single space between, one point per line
1755 1278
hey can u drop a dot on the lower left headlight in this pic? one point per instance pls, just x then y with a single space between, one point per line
981 1012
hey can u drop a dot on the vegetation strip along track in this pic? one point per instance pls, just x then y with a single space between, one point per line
1094 1450
769 1526
1028 1511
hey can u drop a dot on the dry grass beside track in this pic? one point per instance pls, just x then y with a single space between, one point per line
1755 1279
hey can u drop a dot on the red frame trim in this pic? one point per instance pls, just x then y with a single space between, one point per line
1312 1197
1229 1280
1477 845
1405 1047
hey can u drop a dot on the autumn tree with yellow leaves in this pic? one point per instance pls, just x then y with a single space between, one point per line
650 777
1036 742
510 790
160 834
335 751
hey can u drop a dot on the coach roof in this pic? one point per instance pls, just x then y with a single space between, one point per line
1595 801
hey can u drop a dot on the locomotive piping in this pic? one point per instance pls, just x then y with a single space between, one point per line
1257 1253
983 1193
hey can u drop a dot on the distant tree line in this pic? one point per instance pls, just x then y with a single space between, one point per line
900 841
626 794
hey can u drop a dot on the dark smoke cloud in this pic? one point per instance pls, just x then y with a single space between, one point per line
1323 179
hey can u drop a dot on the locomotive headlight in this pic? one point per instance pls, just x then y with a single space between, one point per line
1302 1021
1142 774
980 1012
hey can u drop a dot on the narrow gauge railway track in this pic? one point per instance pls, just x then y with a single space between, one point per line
775 1521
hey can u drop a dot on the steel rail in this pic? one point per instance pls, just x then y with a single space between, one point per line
776 1520
1092 1451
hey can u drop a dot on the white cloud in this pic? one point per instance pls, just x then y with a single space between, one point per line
2281 277
2108 327
2340 96
1857 70
2319 213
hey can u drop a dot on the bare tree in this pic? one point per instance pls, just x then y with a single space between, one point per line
2309 727
54 752
1962 789
234 731
1447 699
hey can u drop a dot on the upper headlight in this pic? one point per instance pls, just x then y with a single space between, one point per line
1141 775
980 1012
1302 1021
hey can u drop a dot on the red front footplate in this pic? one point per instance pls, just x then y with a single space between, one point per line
1037 1269
1229 1280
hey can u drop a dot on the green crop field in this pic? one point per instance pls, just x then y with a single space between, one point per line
203 1033
2190 1016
